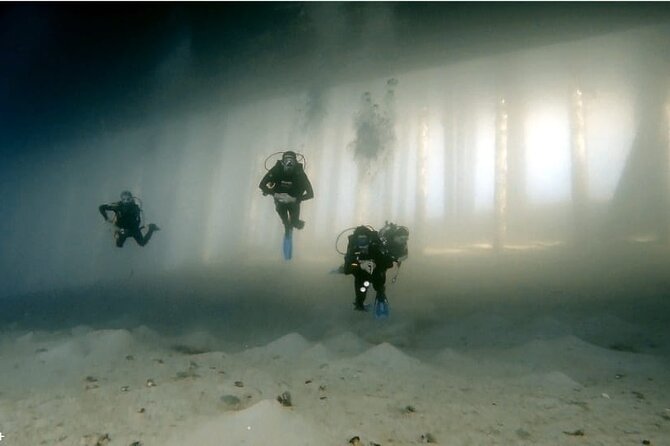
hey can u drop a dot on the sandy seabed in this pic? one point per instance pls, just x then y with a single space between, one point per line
514 349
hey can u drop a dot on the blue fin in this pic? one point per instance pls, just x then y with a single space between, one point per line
381 309
288 247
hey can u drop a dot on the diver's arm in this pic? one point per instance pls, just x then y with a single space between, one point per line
402 258
308 192
349 259
349 265
398 258
402 254
103 208
138 214
382 255
264 183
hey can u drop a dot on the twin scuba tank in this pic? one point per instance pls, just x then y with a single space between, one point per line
364 237
361 241
397 248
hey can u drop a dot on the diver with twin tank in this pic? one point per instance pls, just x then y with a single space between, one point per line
369 255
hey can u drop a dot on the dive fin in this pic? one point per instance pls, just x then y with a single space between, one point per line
381 308
288 246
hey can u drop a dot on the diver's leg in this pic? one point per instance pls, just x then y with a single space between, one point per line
137 235
282 210
360 277
295 216
143 240
379 282
120 237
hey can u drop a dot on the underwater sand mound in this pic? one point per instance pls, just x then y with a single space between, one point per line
476 331
94 346
110 343
387 356
195 343
66 359
578 359
451 358
346 344
547 327
316 354
606 330
265 423
289 346
555 381
476 365
565 349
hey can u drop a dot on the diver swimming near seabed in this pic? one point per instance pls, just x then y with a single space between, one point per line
369 255
289 186
127 220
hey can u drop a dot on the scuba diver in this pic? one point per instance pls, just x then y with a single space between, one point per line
288 184
127 219
369 255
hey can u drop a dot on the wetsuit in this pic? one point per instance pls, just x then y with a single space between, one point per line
367 260
127 219
295 184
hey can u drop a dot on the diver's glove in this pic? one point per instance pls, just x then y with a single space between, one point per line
367 265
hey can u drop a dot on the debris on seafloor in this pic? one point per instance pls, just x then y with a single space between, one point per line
231 402
638 395
285 399
95 440
91 383
188 349
576 433
428 438
188 373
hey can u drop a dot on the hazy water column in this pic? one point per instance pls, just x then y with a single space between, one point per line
500 181
421 175
640 203
465 167
327 196
579 169
449 147
516 163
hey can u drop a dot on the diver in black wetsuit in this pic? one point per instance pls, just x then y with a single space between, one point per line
369 254
127 220
289 186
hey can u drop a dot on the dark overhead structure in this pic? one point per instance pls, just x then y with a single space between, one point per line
102 56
